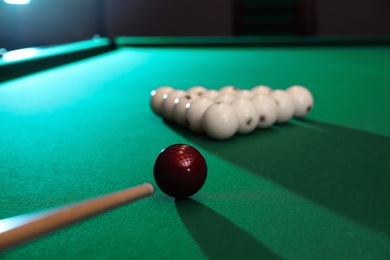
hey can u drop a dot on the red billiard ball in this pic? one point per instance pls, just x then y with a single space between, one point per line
180 171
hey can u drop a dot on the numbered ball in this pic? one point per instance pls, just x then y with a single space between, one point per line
157 98
244 94
285 105
228 90
267 109
210 94
224 98
220 121
169 102
248 118
195 113
302 98
261 89
196 90
180 109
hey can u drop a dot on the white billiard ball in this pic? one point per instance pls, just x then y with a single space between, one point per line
285 105
195 113
244 94
228 90
267 110
224 98
197 90
169 103
180 109
302 98
220 121
157 98
210 94
247 115
261 89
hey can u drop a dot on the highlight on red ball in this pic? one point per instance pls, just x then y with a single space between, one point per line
180 171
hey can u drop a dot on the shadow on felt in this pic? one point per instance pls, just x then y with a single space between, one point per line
218 237
342 169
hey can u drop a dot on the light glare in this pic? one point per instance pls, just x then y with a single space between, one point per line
17 2
20 54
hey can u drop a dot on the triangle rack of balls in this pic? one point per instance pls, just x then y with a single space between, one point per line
223 113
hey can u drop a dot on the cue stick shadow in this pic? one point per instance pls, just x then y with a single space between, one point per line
343 169
218 237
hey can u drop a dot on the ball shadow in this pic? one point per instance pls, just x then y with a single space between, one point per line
218 237
342 169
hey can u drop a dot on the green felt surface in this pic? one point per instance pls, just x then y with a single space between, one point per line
309 189
245 41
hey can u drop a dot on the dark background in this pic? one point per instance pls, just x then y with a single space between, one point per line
46 22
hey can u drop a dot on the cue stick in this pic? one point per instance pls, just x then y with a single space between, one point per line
17 230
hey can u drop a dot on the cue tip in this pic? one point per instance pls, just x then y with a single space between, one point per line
150 186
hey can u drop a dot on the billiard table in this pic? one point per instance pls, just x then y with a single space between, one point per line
76 123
